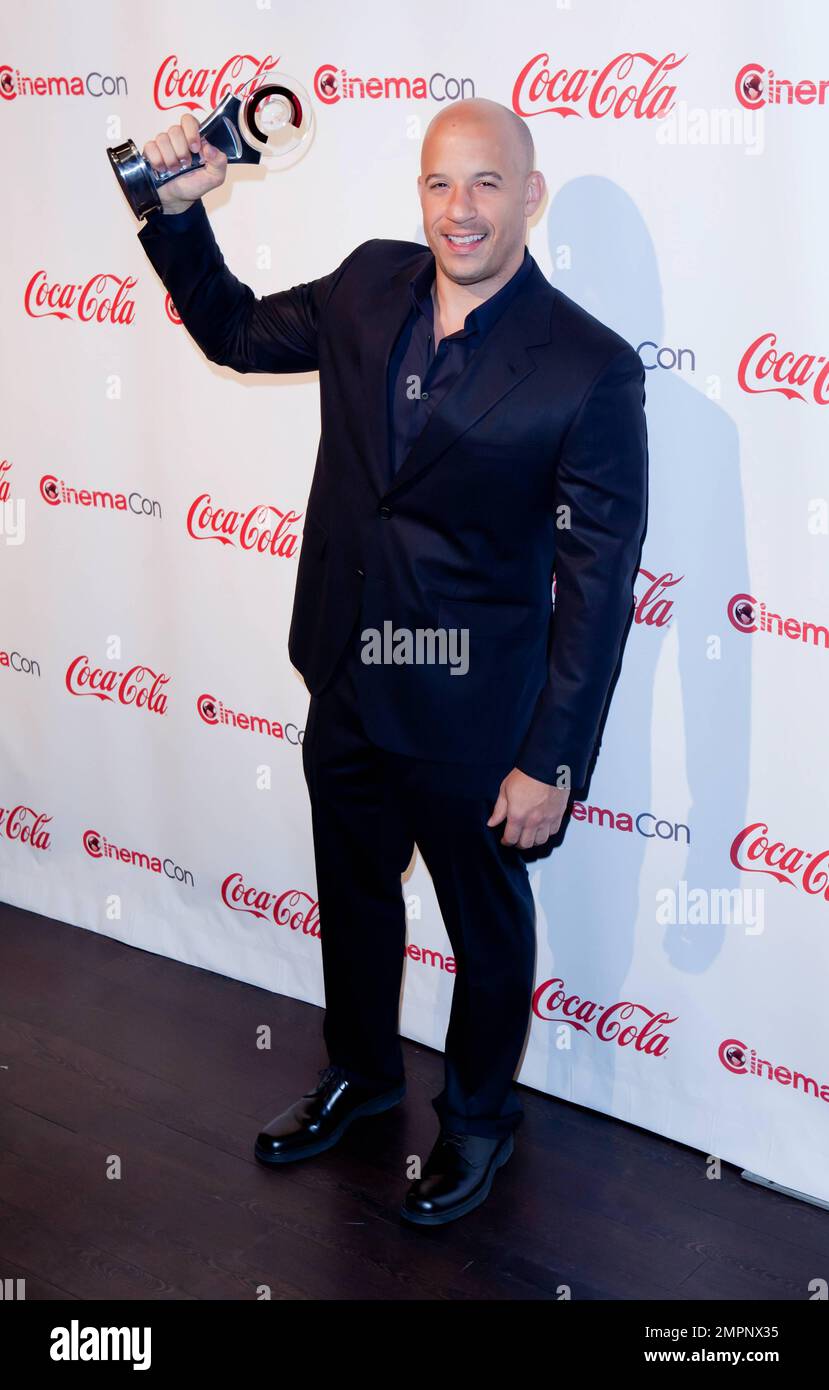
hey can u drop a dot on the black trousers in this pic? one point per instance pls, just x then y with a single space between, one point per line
369 808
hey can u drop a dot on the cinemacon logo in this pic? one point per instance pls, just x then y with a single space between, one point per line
747 615
215 712
13 84
764 367
756 87
630 84
741 1060
97 846
56 492
333 84
754 852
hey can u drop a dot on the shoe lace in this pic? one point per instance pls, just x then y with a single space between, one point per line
457 1141
328 1074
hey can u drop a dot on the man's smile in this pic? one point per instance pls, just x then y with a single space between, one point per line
463 242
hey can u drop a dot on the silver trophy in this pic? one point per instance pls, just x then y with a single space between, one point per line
273 119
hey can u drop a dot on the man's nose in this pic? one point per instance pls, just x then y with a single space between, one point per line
461 206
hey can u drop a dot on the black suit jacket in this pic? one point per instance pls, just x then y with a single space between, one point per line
534 465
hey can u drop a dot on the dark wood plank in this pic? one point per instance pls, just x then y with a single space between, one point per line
106 1049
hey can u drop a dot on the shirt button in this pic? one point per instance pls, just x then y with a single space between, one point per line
424 395
385 513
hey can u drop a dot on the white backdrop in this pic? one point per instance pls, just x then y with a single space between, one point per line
682 957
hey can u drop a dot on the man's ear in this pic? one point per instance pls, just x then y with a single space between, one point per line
536 188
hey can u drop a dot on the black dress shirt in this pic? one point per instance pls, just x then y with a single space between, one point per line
414 356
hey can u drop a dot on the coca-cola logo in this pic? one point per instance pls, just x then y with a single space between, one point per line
292 908
26 825
654 608
542 89
5 482
262 528
752 852
103 298
202 89
625 1023
764 369
139 687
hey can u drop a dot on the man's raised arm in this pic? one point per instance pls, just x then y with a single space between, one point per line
234 328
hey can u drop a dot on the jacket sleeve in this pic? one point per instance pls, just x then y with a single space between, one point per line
234 328
602 477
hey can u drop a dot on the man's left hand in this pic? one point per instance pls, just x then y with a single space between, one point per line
533 810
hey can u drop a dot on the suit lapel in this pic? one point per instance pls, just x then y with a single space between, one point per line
497 366
388 314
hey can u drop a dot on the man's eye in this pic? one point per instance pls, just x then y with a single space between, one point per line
485 183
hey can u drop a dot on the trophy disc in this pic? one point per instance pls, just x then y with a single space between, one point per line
277 119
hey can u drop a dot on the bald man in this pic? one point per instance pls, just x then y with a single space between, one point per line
482 435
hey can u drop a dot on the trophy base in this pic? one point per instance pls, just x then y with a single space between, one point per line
133 174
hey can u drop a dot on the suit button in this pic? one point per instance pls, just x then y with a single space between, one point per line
361 573
385 513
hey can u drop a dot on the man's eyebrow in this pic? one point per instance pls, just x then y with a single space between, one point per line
481 174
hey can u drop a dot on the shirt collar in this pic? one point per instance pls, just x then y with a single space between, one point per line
478 320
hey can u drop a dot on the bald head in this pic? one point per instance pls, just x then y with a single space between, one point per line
479 114
478 188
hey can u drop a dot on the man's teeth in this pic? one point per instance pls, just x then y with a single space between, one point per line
462 240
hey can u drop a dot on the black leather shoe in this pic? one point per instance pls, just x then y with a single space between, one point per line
320 1117
456 1178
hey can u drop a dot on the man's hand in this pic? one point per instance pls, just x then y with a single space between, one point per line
533 810
173 150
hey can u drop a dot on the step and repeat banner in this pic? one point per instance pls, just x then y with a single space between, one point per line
151 783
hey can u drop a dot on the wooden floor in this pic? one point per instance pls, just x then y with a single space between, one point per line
110 1052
